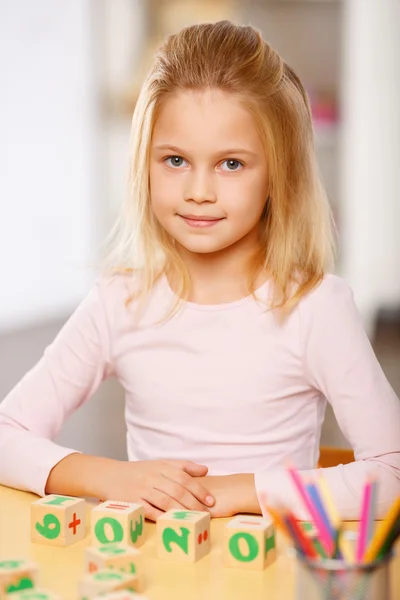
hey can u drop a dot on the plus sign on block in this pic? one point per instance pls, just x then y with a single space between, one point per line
58 520
17 575
249 542
183 535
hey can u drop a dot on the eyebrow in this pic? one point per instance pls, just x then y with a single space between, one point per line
227 152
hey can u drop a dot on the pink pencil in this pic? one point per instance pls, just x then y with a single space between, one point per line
325 535
366 519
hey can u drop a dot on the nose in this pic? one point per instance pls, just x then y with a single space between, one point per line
200 187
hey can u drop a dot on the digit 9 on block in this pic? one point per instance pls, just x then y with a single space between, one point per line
58 520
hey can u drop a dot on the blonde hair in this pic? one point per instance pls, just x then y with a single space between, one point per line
297 232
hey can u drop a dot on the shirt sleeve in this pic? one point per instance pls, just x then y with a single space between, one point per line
33 413
340 362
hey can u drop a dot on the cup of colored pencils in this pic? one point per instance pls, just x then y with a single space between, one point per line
335 564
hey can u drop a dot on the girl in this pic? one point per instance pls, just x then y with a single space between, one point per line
218 316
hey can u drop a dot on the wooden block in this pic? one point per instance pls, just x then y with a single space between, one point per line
122 595
116 522
183 535
58 520
113 556
249 542
106 580
17 575
34 594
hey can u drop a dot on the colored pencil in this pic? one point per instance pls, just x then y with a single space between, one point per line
383 532
313 492
344 544
326 538
277 519
303 542
363 524
328 501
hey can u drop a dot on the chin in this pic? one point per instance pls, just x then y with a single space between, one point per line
203 248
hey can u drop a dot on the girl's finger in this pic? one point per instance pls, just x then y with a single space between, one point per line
162 501
189 467
150 511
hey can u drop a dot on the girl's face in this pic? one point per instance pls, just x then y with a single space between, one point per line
208 172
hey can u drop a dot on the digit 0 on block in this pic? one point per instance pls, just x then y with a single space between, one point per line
116 522
113 556
183 535
249 542
58 520
106 580
35 594
17 575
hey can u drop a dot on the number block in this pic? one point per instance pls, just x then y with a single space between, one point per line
113 556
35 594
106 580
58 520
116 522
249 542
17 575
183 535
122 595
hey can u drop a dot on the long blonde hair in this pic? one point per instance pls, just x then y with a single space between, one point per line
297 232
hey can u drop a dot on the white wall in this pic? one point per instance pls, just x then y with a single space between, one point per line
49 222
371 154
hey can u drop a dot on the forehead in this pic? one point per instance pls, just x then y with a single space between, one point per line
206 118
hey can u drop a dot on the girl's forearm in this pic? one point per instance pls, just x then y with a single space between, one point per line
80 475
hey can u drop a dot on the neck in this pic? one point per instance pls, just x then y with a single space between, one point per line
222 276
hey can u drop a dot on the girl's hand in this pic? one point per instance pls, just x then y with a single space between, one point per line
159 485
233 494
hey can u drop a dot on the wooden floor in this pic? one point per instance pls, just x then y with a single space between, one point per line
99 428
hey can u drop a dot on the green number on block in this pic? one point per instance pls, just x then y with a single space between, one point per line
23 584
131 568
252 545
11 564
170 536
182 515
137 532
270 543
106 576
51 527
110 549
117 529
58 500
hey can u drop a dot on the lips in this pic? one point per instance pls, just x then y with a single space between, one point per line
201 220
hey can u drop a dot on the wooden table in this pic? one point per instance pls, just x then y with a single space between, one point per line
61 568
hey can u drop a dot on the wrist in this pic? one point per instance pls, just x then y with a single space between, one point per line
247 494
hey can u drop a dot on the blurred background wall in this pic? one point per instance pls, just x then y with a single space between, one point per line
71 71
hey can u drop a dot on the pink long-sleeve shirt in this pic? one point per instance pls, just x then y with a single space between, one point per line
224 385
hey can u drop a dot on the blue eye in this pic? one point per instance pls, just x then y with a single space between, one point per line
176 161
233 165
